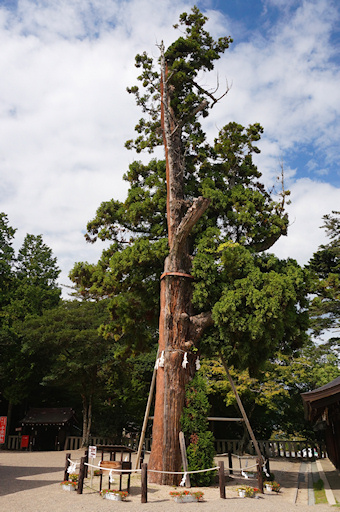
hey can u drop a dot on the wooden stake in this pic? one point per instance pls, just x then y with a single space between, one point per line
144 483
221 479
184 458
86 460
243 412
230 460
67 463
81 476
259 463
146 415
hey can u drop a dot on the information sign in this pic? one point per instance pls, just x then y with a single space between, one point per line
3 423
92 452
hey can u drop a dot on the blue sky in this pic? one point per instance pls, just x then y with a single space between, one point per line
65 113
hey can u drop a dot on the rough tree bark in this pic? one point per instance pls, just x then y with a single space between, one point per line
179 329
87 419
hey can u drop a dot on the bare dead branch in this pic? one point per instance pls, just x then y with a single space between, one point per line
194 213
199 323
210 95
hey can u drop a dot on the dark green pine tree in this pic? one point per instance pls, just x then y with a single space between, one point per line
28 287
7 259
177 234
325 307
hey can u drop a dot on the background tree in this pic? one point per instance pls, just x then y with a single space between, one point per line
36 274
68 338
325 307
7 259
28 288
178 222
83 367
272 399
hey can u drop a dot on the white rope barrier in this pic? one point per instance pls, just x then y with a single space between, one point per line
73 465
184 473
181 472
117 470
112 469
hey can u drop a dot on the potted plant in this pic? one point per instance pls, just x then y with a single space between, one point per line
272 486
68 485
113 494
198 495
276 486
245 491
73 477
242 491
184 496
268 484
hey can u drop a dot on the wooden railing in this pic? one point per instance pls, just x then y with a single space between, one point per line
278 448
74 442
13 442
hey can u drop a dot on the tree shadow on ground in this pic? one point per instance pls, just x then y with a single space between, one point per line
15 478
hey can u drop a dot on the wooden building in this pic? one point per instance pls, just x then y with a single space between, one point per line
47 428
322 408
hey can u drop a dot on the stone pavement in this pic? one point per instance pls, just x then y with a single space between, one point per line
310 472
332 477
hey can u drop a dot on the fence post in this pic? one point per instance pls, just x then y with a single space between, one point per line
221 479
81 476
267 467
230 463
144 483
87 461
259 474
67 463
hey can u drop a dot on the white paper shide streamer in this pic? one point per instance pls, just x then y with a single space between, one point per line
72 467
182 484
160 361
185 360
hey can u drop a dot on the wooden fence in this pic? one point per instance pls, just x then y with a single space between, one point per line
74 442
13 442
278 448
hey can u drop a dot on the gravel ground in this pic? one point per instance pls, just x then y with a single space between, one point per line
29 482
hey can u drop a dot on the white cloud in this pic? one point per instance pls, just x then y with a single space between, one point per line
310 201
288 82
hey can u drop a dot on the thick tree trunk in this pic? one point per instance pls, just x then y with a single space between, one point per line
172 378
179 330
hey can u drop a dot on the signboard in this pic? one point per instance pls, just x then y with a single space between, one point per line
92 452
3 423
24 441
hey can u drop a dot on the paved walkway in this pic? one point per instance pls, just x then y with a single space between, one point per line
332 477
311 472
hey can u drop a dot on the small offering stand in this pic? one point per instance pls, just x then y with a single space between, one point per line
119 458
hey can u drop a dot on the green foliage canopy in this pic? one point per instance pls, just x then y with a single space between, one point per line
243 219
195 427
325 263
